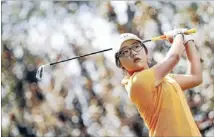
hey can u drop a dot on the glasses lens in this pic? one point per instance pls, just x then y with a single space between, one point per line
137 47
125 53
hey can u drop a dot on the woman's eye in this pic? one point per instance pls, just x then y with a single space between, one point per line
124 52
137 46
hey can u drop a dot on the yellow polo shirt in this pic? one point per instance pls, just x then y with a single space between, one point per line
164 108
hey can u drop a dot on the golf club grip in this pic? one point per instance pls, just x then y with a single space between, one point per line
162 37
190 31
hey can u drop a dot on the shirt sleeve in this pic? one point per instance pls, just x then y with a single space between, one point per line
144 80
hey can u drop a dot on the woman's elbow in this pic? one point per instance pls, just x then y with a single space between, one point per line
198 81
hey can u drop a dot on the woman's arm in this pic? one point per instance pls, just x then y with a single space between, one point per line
194 76
172 58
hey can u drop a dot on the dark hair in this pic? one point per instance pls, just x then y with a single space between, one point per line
116 56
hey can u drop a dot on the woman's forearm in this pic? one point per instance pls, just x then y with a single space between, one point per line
194 60
177 47
171 59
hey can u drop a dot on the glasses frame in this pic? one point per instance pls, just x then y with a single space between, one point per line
131 48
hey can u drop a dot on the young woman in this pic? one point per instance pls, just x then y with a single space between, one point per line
157 94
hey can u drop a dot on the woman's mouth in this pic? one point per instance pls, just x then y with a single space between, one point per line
136 60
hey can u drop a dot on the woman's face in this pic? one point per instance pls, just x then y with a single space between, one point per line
133 56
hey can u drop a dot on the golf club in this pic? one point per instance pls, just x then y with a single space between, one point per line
40 71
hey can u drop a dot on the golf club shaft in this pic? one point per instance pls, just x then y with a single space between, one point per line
80 56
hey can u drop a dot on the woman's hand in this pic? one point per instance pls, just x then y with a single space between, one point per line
171 34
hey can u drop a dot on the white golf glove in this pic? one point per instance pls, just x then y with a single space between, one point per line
171 34
175 31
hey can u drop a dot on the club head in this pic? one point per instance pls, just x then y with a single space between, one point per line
40 71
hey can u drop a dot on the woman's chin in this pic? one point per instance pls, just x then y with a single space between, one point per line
139 64
138 68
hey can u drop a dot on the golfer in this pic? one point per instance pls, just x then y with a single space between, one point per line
156 93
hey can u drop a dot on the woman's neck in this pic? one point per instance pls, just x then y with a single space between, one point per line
138 70
133 71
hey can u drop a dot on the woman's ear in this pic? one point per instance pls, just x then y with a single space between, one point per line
124 71
119 64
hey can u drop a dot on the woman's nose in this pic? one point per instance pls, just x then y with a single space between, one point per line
133 53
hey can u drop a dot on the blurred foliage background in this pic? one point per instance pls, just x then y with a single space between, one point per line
84 97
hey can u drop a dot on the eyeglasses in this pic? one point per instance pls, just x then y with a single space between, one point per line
127 51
